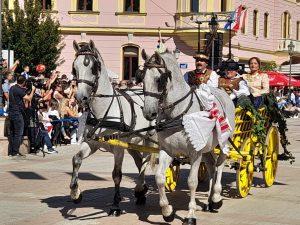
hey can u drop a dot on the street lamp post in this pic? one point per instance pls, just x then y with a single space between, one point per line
291 47
213 27
199 47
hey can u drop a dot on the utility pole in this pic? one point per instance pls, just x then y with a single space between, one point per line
1 63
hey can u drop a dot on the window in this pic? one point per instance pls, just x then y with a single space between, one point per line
266 25
223 5
255 23
286 25
195 6
46 4
298 31
130 62
85 5
132 6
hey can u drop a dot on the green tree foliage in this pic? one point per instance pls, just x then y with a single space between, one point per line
271 66
33 35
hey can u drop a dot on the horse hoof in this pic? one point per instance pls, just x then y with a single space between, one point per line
217 205
170 218
189 221
78 200
115 212
141 200
139 194
209 208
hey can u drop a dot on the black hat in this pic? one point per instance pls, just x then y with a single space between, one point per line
201 57
231 65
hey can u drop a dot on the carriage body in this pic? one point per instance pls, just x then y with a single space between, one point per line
252 151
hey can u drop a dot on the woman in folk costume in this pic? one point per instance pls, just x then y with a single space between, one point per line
257 81
206 82
233 83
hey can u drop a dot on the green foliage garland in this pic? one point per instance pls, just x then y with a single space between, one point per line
259 122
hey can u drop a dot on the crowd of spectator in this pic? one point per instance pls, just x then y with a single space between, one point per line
51 114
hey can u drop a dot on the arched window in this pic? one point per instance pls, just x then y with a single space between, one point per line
298 31
132 6
195 6
255 23
130 62
266 25
85 5
286 25
46 4
223 5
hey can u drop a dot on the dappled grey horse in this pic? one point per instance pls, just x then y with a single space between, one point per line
114 111
168 97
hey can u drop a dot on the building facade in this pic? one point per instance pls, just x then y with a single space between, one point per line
122 28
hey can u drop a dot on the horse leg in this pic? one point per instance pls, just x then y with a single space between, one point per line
117 177
141 188
210 165
217 201
85 151
164 162
193 183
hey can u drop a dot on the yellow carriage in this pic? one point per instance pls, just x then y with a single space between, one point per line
246 149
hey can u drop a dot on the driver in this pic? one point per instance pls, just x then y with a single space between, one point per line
201 74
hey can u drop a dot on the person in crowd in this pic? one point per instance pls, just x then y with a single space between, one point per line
8 82
12 68
18 100
257 81
201 74
25 73
292 97
58 92
233 83
45 128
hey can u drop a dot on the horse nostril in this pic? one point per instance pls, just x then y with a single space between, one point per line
153 115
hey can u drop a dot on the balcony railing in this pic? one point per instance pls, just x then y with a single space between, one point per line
283 45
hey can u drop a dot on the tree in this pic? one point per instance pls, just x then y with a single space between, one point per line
33 35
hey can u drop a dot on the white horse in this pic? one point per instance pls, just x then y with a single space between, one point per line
168 97
114 111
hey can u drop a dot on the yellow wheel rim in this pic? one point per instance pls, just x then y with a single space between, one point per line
202 174
271 156
244 174
172 174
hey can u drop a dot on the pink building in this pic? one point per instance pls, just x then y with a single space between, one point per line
122 28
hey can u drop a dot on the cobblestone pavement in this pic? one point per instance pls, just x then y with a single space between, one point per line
35 191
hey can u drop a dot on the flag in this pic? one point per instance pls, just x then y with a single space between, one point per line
238 17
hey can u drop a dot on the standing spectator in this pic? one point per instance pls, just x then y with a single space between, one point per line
6 86
25 73
17 98
14 66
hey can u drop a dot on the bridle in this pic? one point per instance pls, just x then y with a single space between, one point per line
89 55
162 88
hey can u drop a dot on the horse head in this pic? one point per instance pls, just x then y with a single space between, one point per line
86 69
155 77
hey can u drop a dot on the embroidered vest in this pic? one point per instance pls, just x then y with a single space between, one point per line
229 84
198 78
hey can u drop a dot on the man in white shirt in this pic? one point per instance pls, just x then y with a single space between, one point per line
233 83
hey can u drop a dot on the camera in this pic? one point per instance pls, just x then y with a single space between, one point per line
33 82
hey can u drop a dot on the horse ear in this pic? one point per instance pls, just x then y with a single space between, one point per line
75 46
144 55
158 58
92 45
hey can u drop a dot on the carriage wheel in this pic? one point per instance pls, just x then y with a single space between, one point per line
244 173
172 175
202 174
271 156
